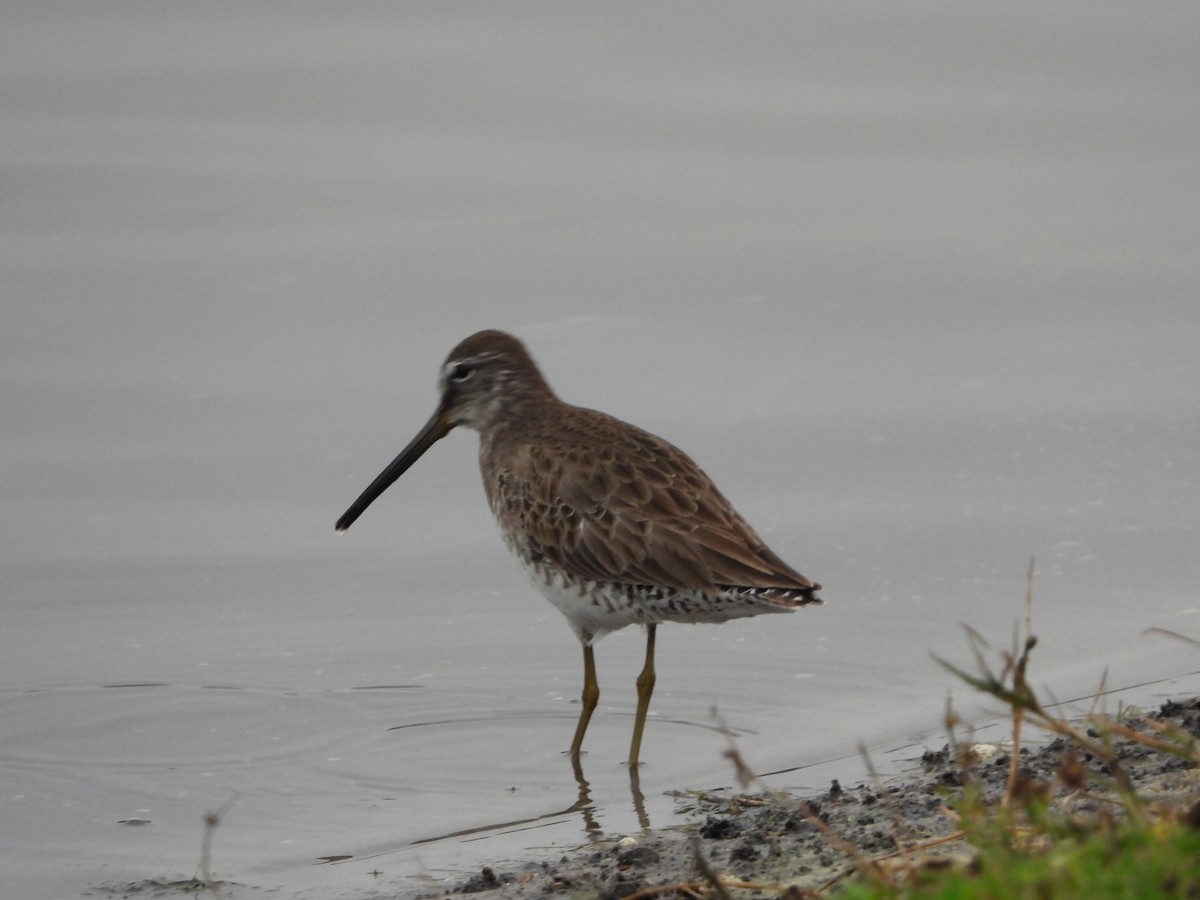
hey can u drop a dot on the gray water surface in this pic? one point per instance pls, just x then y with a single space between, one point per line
916 285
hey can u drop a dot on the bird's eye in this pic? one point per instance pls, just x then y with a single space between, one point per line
461 372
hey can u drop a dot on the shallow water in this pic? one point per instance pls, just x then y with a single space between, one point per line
917 291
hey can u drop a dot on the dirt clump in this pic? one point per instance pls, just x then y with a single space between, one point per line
779 840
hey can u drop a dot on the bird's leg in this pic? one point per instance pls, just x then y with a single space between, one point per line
589 698
645 687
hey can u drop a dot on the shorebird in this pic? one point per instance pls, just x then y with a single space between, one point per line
615 526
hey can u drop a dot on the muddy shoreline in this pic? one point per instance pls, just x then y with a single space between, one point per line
779 840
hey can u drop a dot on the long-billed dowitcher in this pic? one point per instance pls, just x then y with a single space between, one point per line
616 526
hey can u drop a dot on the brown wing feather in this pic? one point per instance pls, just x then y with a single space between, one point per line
633 511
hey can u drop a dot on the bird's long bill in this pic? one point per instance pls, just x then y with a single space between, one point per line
435 429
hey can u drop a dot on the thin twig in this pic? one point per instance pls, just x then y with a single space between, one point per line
707 871
211 821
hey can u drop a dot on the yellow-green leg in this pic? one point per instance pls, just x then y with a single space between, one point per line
645 687
589 698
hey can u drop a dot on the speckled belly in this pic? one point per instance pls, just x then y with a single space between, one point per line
595 609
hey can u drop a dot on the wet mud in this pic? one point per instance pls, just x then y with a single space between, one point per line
789 844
